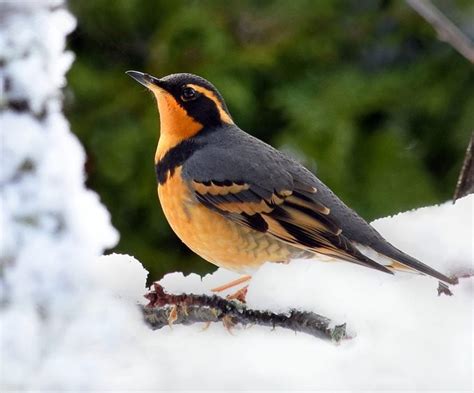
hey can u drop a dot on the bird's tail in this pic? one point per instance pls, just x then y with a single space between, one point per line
397 260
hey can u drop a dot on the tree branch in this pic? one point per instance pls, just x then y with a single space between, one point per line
465 184
166 309
447 30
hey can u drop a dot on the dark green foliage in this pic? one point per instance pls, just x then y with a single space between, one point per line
361 91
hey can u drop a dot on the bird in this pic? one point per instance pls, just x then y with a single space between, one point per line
239 203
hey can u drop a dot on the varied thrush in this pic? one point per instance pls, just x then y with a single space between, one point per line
238 202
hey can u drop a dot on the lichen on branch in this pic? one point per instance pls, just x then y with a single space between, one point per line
165 309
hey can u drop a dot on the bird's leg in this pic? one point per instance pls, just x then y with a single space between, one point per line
240 294
231 284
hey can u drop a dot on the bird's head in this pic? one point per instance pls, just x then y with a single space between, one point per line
187 103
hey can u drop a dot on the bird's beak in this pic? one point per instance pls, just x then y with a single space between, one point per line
145 79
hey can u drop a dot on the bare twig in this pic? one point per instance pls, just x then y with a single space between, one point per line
465 184
450 33
447 30
165 309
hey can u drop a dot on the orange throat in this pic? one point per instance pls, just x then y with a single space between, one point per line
175 123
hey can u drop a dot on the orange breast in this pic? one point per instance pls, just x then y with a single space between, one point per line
213 237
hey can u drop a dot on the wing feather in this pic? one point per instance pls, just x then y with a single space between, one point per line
294 216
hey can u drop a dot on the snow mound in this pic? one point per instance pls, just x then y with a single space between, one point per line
51 228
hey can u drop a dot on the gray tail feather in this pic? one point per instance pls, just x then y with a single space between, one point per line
415 264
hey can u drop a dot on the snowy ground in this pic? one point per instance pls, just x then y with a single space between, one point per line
406 337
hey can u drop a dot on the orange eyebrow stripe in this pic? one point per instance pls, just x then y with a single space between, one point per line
209 94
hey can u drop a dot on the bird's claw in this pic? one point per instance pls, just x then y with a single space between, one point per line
172 315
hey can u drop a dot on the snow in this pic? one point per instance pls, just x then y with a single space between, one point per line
52 228
444 240
406 337
32 39
69 318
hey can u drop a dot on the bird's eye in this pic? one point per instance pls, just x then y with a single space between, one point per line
189 94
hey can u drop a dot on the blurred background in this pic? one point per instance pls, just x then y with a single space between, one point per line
361 91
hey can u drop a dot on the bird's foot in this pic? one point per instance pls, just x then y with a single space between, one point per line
172 315
239 295
228 323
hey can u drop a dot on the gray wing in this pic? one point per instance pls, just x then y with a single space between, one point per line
255 185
